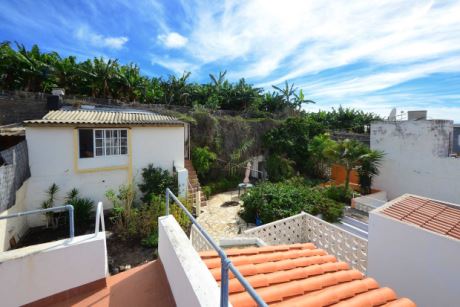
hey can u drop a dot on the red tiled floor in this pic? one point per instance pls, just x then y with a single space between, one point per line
300 275
145 285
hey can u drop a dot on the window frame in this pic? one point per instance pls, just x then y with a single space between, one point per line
104 143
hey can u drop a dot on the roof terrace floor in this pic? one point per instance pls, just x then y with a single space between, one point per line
145 285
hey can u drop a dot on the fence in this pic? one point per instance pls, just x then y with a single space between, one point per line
305 227
13 173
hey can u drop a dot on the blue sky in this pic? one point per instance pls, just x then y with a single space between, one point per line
403 54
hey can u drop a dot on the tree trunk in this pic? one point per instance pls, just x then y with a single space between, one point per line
347 179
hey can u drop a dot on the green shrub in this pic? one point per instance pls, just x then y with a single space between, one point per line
339 194
221 185
279 168
203 159
274 201
133 221
207 190
83 208
155 181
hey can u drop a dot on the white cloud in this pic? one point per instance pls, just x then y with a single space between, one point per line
84 33
173 40
274 41
177 66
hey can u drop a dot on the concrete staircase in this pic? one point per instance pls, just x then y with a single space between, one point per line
194 187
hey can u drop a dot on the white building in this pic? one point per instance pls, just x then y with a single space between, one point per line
418 239
417 158
99 149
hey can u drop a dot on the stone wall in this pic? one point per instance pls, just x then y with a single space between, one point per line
20 107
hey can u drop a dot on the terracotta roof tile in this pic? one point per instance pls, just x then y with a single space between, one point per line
299 275
426 213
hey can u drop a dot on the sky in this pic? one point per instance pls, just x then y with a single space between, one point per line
371 55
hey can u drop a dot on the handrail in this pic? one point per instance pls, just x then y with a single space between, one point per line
99 217
226 264
53 209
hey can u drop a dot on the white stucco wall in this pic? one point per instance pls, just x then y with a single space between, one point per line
32 273
415 262
51 159
162 146
13 227
416 159
192 284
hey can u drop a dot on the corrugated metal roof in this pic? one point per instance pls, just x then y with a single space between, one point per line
12 130
104 117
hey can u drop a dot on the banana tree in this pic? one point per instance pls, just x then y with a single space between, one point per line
131 81
34 66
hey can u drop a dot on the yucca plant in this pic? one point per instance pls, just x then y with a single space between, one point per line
49 203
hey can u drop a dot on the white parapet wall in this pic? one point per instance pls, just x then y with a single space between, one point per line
367 203
31 273
415 262
191 283
305 227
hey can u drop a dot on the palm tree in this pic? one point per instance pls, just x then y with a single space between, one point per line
316 149
368 168
347 153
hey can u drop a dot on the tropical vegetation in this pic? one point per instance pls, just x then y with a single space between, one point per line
273 201
37 71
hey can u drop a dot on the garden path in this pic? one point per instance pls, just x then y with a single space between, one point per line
220 220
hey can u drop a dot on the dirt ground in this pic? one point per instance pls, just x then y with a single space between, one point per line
120 253
126 253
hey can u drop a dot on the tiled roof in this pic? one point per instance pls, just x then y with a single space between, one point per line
426 213
104 117
300 275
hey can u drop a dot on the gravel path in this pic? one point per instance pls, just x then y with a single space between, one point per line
222 220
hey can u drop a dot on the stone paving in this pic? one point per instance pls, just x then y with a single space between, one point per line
222 221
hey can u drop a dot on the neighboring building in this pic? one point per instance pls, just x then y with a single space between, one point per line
418 240
95 150
417 158
456 140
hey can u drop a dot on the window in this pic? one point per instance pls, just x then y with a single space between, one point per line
86 143
103 142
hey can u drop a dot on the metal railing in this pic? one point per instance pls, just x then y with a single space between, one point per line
99 218
53 209
226 264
